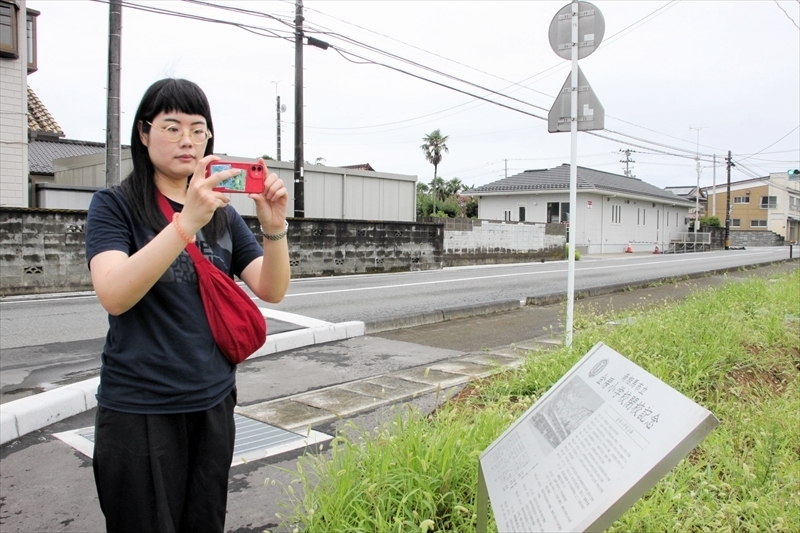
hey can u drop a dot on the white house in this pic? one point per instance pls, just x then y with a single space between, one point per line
613 211
17 60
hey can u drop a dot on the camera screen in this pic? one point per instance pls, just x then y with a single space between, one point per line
235 183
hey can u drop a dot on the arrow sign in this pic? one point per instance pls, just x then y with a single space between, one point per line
591 115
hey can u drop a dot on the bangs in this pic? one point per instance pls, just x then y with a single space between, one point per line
173 95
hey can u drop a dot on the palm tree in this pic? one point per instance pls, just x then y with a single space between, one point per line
433 147
454 186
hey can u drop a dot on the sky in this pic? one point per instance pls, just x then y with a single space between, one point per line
675 78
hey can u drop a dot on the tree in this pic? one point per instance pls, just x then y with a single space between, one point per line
434 146
454 186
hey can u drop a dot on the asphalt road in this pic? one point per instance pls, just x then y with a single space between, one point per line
45 485
57 339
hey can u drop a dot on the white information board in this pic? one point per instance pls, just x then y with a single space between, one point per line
589 448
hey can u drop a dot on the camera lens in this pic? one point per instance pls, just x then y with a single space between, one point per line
254 168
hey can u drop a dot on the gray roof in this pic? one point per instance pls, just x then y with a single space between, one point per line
42 152
557 179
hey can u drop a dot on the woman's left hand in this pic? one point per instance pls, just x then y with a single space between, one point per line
271 204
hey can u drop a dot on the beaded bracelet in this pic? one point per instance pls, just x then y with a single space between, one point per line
180 231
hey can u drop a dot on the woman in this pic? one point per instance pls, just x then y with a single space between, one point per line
164 431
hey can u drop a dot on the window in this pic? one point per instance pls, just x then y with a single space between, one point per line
616 214
8 31
31 40
666 217
758 223
769 202
741 199
794 203
522 213
557 212
507 215
9 40
736 222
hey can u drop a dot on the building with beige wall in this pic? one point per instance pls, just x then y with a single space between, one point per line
771 203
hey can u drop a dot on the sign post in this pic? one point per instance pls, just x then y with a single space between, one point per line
575 32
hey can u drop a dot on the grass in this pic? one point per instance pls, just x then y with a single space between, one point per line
735 350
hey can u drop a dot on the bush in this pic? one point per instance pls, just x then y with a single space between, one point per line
577 253
710 222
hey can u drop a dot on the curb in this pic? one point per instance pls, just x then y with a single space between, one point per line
439 315
558 297
20 417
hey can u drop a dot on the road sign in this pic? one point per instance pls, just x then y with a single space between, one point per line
591 115
591 28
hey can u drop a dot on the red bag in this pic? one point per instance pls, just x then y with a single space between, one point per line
237 325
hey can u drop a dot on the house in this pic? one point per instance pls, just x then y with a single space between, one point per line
767 204
694 195
17 60
612 210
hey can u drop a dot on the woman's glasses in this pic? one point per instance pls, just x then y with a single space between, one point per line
174 133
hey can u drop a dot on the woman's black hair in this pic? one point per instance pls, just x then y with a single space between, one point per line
165 96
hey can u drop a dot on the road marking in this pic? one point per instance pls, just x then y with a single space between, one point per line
652 262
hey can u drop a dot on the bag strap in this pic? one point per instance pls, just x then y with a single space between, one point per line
195 253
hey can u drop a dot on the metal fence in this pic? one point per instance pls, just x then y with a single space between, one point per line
689 241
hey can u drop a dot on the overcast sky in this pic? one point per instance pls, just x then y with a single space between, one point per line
725 74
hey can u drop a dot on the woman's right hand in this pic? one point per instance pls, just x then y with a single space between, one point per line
201 198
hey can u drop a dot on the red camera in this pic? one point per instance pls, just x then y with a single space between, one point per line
250 178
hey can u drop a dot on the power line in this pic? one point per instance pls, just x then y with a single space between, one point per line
257 30
787 14
773 144
349 55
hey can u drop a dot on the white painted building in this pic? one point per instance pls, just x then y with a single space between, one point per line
612 210
17 60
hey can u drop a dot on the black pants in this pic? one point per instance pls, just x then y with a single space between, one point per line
164 473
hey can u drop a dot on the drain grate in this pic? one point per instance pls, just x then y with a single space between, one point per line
254 440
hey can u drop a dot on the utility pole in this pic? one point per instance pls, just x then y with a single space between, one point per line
697 189
112 112
714 185
628 161
728 204
278 120
299 185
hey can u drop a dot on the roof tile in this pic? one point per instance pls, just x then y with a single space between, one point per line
39 118
558 179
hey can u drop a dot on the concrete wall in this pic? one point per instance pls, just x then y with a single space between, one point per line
472 241
43 251
14 120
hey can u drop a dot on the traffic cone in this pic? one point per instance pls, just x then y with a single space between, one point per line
657 251
629 249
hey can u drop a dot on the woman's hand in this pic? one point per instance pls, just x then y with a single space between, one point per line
201 198
271 204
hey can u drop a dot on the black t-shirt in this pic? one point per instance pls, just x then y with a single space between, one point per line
159 356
